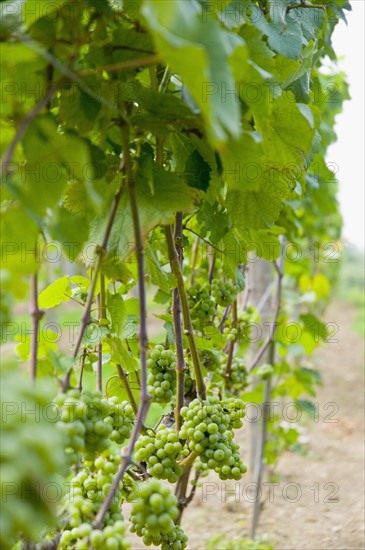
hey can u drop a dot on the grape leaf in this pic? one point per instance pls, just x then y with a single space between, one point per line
57 292
117 311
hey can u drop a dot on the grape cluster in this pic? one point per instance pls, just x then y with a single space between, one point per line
237 379
162 377
208 427
84 537
230 334
201 304
161 451
121 419
223 292
152 517
210 359
90 422
88 491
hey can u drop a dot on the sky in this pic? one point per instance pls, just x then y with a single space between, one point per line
348 151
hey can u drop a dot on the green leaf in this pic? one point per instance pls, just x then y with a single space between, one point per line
132 307
314 325
57 292
159 277
287 39
52 160
307 406
199 52
20 250
114 387
82 282
159 194
69 229
120 354
117 311
197 171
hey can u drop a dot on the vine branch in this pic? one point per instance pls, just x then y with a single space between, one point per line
188 327
231 344
203 239
143 339
101 315
124 378
85 319
176 315
36 315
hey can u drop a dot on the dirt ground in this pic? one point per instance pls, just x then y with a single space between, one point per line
318 503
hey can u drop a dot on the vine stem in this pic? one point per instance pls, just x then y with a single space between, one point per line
124 378
231 344
143 339
83 357
85 319
131 64
176 315
101 315
194 254
211 270
203 239
188 327
36 315
180 493
271 335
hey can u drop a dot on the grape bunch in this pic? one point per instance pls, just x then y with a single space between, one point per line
152 517
237 379
161 451
88 491
208 427
90 422
84 537
162 377
223 292
211 359
201 304
230 334
121 419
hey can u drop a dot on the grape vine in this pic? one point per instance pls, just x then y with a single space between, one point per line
133 159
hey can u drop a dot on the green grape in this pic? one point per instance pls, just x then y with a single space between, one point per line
201 468
87 494
161 451
211 359
152 517
208 428
201 305
122 417
223 292
81 420
162 377
237 379
90 422
230 334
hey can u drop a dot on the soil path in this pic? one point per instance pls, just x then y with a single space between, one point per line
318 503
